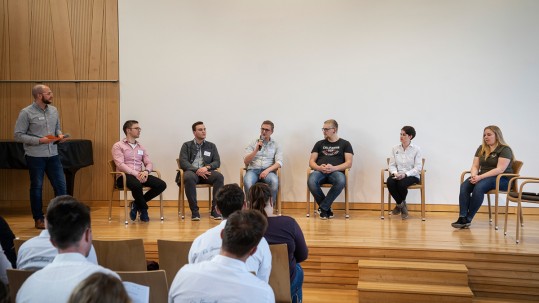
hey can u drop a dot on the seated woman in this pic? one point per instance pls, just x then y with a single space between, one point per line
405 165
99 287
282 229
493 157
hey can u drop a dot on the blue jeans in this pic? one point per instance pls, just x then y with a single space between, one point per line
38 167
253 175
296 285
336 178
472 195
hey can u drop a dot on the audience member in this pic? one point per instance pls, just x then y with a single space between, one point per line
206 246
282 229
68 223
226 277
99 288
4 266
6 241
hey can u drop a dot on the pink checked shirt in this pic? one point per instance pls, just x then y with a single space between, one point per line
131 160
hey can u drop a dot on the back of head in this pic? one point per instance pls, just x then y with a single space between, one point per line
243 230
258 197
67 220
229 199
99 287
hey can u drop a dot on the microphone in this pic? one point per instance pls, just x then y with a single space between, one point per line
65 136
261 139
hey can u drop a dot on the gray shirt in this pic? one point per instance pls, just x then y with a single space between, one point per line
34 123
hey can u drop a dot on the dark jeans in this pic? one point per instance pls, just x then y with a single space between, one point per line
472 195
296 285
316 178
38 167
191 180
157 186
399 188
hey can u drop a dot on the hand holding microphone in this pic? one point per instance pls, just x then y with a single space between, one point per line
260 142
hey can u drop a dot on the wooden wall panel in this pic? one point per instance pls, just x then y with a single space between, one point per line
69 41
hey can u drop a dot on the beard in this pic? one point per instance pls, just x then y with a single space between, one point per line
47 101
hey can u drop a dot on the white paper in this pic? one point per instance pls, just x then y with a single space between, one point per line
138 293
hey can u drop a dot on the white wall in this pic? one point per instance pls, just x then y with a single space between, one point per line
447 67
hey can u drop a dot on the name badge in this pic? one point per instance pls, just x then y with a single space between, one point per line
207 153
140 152
41 118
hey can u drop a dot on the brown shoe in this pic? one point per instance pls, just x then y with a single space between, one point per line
40 224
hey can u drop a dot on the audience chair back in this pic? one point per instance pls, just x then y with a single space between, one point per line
277 205
121 255
280 273
518 195
315 208
181 192
156 280
114 174
17 243
173 255
421 186
517 165
16 278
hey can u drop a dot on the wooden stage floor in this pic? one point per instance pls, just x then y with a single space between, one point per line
498 267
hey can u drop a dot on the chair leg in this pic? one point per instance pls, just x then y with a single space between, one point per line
496 211
519 213
110 205
161 206
506 213
125 207
308 203
346 204
423 217
489 210
382 211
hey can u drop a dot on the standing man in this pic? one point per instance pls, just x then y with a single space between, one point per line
226 278
199 160
262 158
131 158
68 223
329 159
38 127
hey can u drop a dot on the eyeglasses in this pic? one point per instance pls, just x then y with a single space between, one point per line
265 129
48 93
327 129
137 128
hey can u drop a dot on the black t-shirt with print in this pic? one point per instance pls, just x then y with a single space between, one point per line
332 152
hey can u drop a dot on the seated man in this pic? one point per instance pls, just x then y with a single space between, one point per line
199 159
262 158
206 246
38 252
226 277
68 222
329 158
133 159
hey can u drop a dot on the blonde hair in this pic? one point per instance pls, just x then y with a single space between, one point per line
99 288
485 149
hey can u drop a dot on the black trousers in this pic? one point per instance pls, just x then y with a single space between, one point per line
399 188
191 179
157 186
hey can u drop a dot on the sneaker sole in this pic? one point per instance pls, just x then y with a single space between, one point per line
216 218
195 219
460 226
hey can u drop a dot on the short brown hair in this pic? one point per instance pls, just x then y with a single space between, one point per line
243 231
268 122
99 287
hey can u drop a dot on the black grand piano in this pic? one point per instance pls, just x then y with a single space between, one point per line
74 154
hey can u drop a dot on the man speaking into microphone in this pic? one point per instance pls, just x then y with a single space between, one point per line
263 157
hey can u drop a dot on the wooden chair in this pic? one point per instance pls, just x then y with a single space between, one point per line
155 279
181 192
17 243
420 186
173 255
327 185
121 255
16 278
517 165
124 189
280 273
519 196
277 204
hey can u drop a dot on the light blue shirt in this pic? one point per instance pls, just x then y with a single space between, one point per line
270 153
407 161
